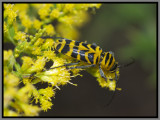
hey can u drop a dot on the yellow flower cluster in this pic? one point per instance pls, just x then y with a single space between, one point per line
16 98
68 16
37 20
111 78
9 13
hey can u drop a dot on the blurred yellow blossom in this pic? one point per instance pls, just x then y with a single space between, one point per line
5 27
20 36
50 30
10 13
21 7
27 62
44 11
47 92
37 66
37 24
7 55
48 44
45 104
55 13
39 42
69 7
49 54
25 24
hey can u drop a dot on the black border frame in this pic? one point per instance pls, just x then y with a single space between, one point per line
157 24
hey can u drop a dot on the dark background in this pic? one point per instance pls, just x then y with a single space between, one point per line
129 30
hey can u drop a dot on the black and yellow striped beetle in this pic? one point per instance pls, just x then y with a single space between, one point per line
89 53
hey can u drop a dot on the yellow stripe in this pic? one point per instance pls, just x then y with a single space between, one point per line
86 57
97 54
90 49
71 45
113 61
94 58
79 48
106 66
103 62
62 45
78 56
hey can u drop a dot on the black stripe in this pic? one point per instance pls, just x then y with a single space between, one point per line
102 55
75 52
58 46
77 43
60 40
107 57
68 41
82 55
91 57
85 45
111 59
93 47
65 49
97 60
113 67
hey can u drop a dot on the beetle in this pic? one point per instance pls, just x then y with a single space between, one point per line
89 53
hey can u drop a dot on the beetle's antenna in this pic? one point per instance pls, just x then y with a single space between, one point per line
45 37
108 103
126 65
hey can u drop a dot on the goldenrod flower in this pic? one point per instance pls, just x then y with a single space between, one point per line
27 63
47 92
26 22
55 77
55 13
60 20
69 7
10 13
67 31
21 7
30 110
10 113
39 42
58 62
50 55
37 24
68 20
7 55
50 30
45 104
36 51
48 44
44 11
5 27
37 66
20 36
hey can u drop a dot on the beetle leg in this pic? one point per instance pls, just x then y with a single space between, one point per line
102 73
69 64
86 66
116 76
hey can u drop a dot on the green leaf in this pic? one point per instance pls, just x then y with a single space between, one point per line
11 32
